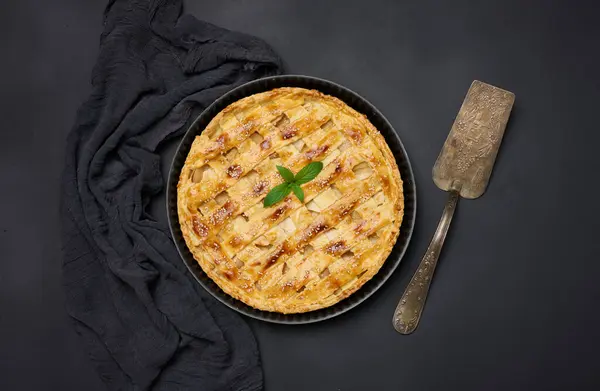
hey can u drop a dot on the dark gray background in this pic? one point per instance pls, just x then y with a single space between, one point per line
514 305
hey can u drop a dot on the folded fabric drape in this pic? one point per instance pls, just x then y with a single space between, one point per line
145 322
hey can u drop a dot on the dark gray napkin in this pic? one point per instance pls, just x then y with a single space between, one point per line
144 322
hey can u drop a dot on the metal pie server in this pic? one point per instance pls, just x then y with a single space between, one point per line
462 169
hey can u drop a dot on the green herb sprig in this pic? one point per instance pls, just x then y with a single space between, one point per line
292 183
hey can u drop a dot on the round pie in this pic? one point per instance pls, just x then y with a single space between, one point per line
292 256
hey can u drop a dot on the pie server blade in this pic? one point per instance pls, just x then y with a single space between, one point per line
463 168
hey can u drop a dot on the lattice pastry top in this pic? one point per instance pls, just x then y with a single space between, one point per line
293 256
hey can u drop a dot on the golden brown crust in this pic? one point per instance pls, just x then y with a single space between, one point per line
290 257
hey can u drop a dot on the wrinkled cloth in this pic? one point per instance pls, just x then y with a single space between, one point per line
144 321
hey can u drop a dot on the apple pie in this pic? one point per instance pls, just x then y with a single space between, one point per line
292 256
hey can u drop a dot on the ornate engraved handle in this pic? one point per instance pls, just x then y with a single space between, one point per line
410 307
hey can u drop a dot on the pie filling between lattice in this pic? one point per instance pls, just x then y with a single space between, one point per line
293 256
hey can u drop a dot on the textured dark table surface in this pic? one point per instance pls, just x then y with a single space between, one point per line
514 302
